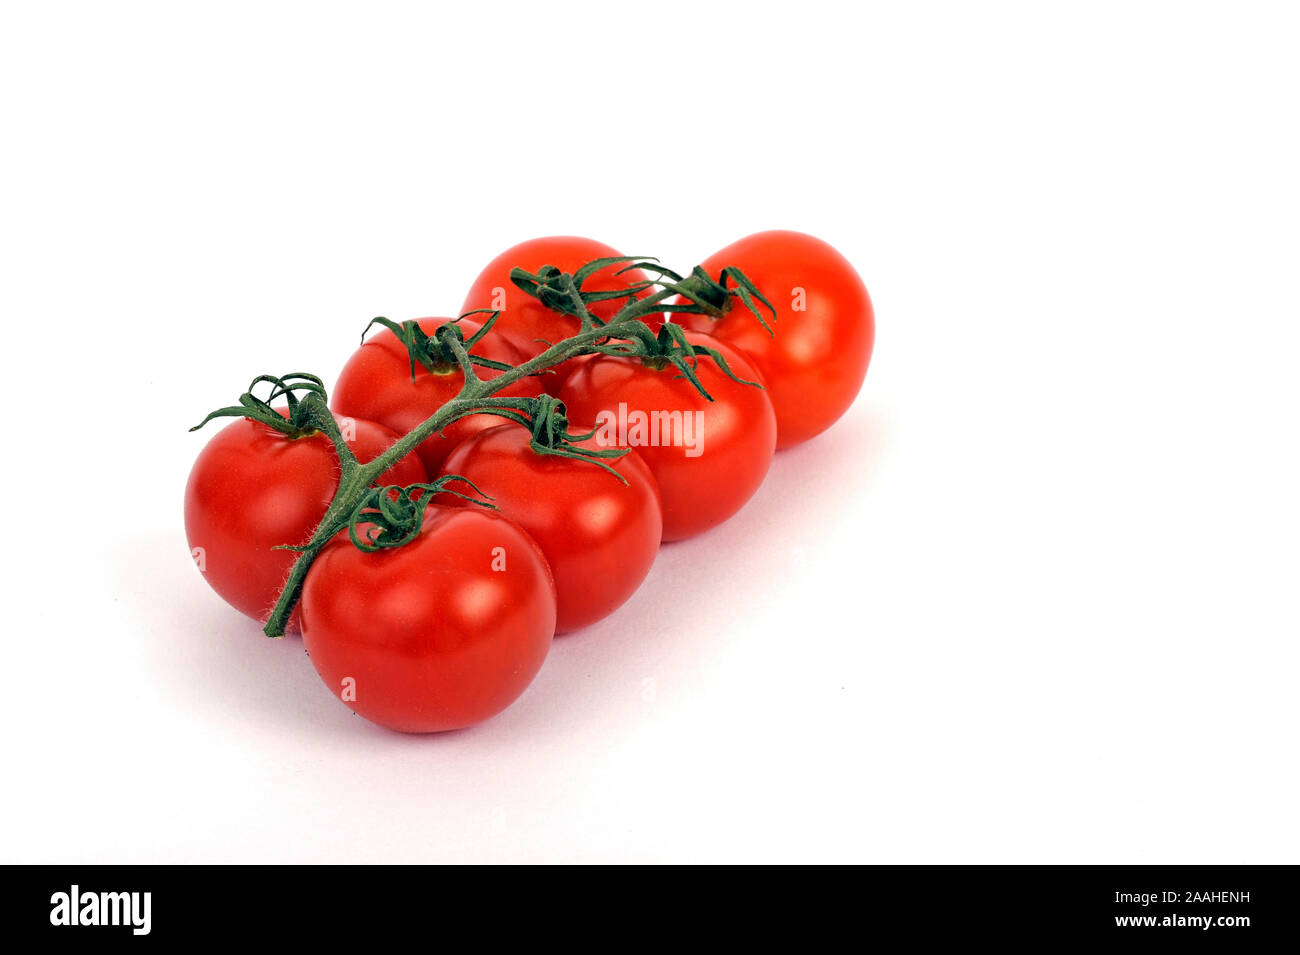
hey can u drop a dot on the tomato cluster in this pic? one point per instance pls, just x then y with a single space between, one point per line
637 406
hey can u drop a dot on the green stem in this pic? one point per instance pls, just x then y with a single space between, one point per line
644 306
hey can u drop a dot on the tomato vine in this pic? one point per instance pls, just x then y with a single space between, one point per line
394 513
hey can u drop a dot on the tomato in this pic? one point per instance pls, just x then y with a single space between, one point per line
708 457
599 535
524 320
376 384
825 327
437 634
254 488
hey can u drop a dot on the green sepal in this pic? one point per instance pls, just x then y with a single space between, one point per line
395 515
303 413
431 352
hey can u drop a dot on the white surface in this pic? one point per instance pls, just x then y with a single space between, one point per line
1033 599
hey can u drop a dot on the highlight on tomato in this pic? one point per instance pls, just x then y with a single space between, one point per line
708 454
438 633
596 518
404 374
257 485
815 353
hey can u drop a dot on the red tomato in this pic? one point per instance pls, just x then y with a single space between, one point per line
599 535
524 319
376 385
254 488
437 634
825 327
708 457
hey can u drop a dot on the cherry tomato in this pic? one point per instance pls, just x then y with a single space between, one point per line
599 535
254 488
525 321
437 634
376 384
825 327
708 457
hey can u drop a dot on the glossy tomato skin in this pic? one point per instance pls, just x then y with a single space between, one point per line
376 384
438 634
599 535
815 363
704 480
524 319
254 488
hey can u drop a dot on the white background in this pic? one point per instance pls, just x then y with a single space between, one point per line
1032 600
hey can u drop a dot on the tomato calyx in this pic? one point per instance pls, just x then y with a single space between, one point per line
670 348
301 418
393 516
563 292
702 293
709 296
547 422
551 435
434 352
